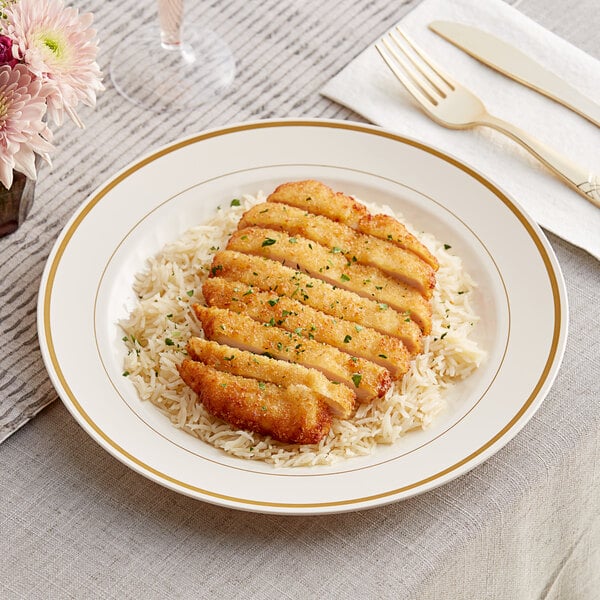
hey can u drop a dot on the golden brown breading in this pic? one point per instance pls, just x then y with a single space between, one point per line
292 414
317 198
319 262
363 377
291 315
387 228
344 241
266 274
339 398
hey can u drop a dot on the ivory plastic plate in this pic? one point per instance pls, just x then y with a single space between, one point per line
87 287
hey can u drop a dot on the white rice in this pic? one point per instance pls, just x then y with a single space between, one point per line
158 328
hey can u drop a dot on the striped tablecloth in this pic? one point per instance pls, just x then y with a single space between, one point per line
77 524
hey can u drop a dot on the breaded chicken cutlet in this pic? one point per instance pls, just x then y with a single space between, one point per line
313 305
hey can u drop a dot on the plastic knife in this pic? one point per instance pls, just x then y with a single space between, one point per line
514 63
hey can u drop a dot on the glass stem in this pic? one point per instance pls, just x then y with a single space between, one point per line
170 16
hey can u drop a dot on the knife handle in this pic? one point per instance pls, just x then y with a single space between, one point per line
581 180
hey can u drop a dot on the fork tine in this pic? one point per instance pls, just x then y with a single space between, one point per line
420 95
426 59
415 70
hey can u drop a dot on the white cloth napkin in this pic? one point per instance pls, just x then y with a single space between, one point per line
371 90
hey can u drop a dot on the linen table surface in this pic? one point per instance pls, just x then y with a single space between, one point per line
76 523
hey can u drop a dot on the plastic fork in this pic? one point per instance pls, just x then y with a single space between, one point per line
452 105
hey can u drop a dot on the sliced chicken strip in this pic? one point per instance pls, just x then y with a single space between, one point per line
317 198
292 414
267 275
318 261
339 398
363 377
387 228
343 240
291 315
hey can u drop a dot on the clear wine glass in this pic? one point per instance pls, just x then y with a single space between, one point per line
172 67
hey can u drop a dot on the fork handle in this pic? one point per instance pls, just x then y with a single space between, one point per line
584 182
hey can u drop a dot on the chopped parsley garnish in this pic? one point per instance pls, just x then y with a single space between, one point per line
273 302
293 240
235 202
125 373
447 246
169 342
344 277
190 293
382 355
268 242
335 250
261 385
356 378
229 357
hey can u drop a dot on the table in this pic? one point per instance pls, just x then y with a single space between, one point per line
76 523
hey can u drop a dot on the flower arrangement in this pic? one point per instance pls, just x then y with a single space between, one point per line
47 67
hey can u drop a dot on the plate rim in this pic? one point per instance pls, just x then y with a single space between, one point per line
500 439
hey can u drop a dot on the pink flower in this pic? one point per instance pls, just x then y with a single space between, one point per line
6 52
58 46
22 129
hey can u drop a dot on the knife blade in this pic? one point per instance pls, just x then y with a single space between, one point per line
513 63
